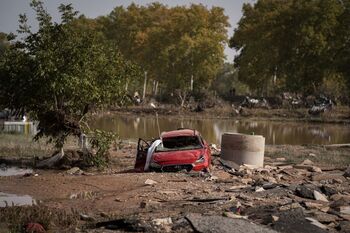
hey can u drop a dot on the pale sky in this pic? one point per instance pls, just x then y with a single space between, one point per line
10 9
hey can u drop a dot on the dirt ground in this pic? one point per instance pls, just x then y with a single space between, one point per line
119 199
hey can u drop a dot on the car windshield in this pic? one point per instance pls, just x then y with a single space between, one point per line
179 143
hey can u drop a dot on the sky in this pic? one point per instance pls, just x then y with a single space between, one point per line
10 9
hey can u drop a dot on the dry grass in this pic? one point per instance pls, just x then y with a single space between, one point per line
23 146
14 218
320 155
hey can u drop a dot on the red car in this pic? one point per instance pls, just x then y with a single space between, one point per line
182 149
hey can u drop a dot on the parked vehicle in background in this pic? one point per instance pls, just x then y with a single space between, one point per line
176 150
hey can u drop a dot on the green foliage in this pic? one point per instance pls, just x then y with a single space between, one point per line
227 80
171 44
62 71
101 142
291 43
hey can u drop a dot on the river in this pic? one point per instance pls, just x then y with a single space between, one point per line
275 132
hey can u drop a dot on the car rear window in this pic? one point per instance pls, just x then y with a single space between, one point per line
179 143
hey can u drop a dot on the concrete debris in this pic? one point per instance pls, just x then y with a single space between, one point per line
85 217
162 221
316 223
259 189
307 162
319 196
74 171
150 182
220 224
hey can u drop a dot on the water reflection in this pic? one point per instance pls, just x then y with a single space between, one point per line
131 127
13 171
7 199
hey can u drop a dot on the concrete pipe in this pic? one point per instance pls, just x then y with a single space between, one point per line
239 149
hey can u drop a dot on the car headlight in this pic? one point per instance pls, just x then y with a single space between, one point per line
201 159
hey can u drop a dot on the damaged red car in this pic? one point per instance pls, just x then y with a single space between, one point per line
182 149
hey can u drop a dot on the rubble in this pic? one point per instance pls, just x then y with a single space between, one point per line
319 196
219 224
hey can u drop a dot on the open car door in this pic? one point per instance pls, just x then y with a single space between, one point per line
141 156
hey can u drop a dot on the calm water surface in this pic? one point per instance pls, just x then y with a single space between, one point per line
133 127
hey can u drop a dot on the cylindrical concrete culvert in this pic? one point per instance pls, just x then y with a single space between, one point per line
239 149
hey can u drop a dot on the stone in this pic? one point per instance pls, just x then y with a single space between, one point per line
344 227
294 205
316 223
307 162
259 189
162 221
344 209
74 171
150 182
319 196
220 224
327 176
315 169
293 221
319 206
247 180
86 217
312 155
305 192
326 218
282 159
328 191
347 172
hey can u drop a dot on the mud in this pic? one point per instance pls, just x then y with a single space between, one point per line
265 196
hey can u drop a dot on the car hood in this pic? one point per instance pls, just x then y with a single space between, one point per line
177 157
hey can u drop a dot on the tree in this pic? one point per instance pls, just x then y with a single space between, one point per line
174 45
290 42
59 72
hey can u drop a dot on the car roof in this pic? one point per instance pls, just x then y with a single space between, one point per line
179 133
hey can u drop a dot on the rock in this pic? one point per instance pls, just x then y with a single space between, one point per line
305 192
293 221
294 205
259 189
150 182
74 171
220 224
340 197
162 221
328 191
313 205
344 227
319 196
327 176
315 169
232 215
347 172
307 162
344 209
316 223
281 159
86 217
326 218
247 180
312 155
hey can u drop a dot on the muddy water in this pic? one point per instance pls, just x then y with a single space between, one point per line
13 171
293 133
7 199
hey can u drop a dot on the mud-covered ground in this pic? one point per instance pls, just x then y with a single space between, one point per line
284 196
339 114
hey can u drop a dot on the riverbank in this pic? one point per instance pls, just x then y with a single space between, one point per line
338 115
116 198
